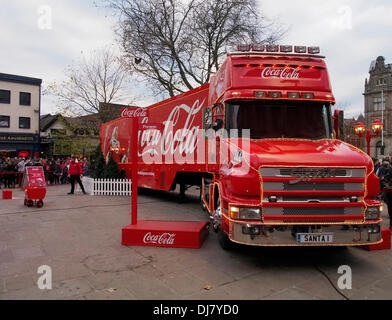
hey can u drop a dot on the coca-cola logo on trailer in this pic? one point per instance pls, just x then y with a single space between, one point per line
133 113
280 73
164 238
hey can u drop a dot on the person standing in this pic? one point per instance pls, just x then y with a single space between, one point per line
75 172
387 193
382 171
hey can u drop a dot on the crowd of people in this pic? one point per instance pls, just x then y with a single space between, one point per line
383 170
56 170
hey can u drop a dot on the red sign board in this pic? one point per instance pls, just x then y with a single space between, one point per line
34 176
23 154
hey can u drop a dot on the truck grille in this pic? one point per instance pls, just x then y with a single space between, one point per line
313 185
301 171
298 211
296 172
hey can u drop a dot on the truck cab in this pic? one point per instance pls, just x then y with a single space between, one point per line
284 178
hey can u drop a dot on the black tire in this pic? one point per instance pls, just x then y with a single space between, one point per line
224 241
40 204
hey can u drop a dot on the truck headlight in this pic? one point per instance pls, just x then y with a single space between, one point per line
249 213
373 213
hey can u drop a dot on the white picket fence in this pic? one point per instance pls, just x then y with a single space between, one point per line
106 187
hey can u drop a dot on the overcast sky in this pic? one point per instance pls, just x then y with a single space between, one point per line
350 33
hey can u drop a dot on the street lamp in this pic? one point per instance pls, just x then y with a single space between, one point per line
360 129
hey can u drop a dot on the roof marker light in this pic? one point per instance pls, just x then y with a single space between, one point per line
314 50
275 94
260 94
286 48
243 47
293 95
272 48
300 49
258 47
308 95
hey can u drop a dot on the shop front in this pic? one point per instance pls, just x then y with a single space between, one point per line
19 145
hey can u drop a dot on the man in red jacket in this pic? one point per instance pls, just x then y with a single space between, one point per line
74 172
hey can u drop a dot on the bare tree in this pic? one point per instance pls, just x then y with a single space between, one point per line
98 77
176 44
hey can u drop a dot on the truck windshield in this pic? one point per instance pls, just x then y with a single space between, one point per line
280 119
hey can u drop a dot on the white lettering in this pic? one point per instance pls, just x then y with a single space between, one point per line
45 281
282 73
133 113
164 238
45 17
345 280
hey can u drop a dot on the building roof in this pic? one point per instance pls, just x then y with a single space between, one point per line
20 79
47 120
89 121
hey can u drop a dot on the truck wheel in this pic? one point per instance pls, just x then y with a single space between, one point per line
224 241
40 204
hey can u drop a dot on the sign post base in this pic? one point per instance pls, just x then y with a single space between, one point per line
171 234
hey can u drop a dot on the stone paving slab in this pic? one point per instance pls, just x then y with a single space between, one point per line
79 237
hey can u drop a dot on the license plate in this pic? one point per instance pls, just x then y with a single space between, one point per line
315 237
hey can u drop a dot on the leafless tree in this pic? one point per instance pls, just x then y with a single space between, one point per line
177 44
98 77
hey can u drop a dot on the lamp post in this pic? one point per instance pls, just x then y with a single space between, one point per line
377 127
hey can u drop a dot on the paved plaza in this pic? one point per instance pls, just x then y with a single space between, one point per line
79 237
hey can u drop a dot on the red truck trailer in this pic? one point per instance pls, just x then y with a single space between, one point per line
262 143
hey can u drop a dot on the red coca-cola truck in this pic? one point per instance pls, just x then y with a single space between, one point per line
262 143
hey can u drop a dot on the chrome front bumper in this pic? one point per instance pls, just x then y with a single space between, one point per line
285 235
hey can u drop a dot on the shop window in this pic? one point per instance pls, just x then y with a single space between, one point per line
58 132
25 99
4 121
5 96
24 123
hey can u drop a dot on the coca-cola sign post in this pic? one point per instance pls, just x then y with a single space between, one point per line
169 234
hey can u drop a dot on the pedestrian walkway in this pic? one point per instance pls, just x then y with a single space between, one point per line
79 237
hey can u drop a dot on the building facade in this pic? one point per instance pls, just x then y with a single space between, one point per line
349 132
20 104
64 136
378 105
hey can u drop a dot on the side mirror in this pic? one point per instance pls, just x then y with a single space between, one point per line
338 124
218 124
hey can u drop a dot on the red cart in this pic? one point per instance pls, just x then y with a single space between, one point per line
35 190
